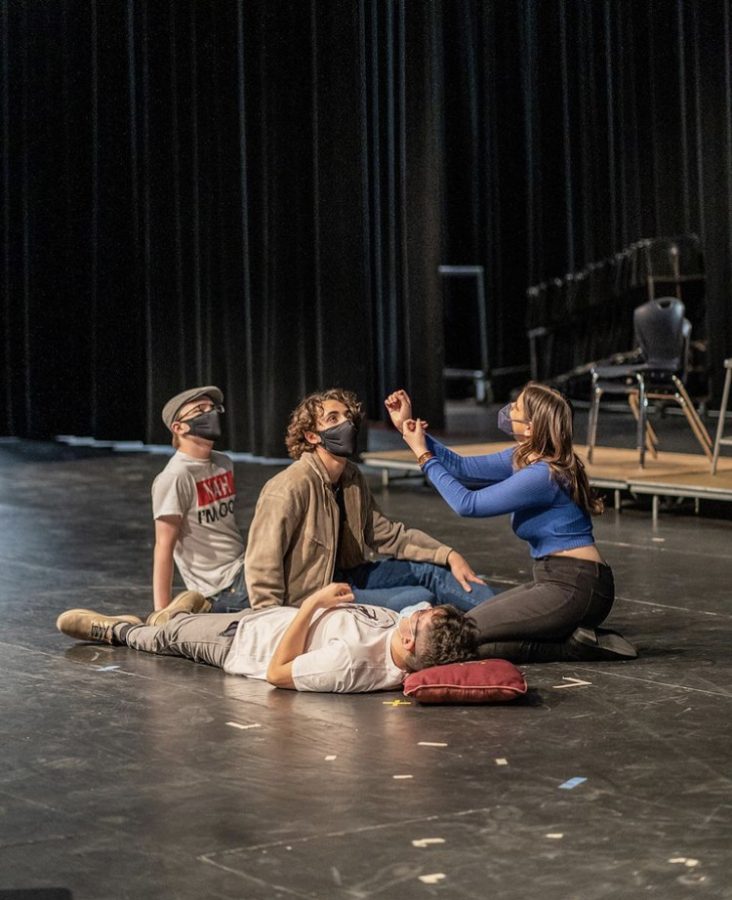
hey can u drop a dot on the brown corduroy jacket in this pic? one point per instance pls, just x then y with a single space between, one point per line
293 538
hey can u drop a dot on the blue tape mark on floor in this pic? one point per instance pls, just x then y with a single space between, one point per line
572 783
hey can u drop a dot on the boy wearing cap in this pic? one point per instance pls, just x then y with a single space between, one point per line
193 507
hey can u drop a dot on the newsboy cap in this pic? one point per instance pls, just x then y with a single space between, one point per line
172 407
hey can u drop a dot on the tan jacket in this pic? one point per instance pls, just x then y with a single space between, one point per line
293 537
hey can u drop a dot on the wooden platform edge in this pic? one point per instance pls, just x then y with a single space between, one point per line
682 475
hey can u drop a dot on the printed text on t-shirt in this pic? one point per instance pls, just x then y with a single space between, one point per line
219 487
215 498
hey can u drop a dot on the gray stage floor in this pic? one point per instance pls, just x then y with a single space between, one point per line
128 776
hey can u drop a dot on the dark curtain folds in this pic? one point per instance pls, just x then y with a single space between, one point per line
258 193
576 128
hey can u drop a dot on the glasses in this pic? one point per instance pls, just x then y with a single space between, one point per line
414 631
201 409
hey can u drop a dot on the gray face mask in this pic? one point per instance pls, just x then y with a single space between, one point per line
506 423
504 420
340 440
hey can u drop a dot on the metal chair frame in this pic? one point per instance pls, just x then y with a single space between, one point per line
720 440
642 385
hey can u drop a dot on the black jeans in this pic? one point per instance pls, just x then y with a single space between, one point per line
566 593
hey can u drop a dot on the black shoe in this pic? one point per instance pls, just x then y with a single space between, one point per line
589 644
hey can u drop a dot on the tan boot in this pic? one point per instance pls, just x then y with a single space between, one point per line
187 602
87 625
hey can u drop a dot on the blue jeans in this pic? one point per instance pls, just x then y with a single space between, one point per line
232 599
396 583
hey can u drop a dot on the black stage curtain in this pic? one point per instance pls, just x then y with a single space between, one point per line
257 193
576 128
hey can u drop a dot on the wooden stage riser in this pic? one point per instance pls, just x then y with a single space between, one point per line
614 469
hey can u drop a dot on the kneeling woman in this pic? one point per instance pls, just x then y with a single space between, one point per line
543 484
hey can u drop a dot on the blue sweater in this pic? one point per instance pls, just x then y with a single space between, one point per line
543 513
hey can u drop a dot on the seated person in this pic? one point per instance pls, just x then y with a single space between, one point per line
328 644
193 506
317 522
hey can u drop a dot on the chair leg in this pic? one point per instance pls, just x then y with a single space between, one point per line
695 427
703 431
642 410
695 423
720 424
652 441
592 421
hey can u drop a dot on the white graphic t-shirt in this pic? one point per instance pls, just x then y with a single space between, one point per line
210 549
348 648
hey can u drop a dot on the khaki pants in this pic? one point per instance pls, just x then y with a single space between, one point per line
203 638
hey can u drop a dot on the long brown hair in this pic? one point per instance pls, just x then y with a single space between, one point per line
550 441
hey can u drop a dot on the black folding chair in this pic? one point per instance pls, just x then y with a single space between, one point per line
663 335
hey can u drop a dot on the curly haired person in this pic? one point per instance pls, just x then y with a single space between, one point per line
317 522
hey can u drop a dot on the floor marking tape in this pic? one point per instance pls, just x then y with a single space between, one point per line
681 687
425 842
573 682
434 878
572 783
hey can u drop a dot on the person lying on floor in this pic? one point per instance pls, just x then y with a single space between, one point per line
328 644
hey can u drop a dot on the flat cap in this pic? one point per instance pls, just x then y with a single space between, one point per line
172 407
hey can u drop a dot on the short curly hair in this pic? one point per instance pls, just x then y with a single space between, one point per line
305 418
449 637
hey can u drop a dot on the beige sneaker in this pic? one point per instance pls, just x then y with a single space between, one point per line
87 625
187 602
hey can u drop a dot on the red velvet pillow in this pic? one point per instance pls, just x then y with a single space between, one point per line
481 681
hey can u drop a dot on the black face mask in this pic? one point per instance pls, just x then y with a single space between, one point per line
340 440
207 425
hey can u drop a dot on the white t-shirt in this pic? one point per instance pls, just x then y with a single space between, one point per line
209 551
347 650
